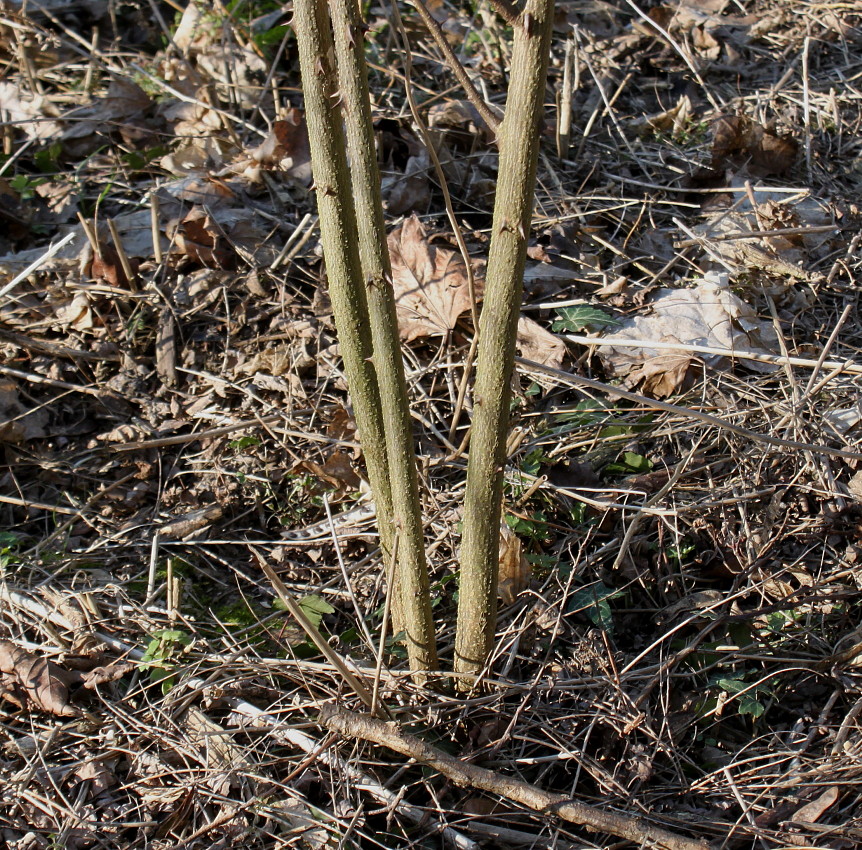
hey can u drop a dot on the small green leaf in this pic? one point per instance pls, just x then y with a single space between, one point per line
244 442
628 463
315 607
749 705
583 317
593 600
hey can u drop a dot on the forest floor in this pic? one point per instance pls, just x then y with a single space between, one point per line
678 638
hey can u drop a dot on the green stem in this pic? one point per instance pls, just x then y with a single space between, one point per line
518 139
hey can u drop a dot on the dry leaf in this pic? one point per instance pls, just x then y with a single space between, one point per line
430 283
201 239
286 147
811 812
539 345
337 472
739 139
514 570
707 315
100 777
28 112
39 681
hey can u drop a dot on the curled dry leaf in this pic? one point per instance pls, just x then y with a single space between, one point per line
286 148
707 315
539 345
430 283
200 238
35 680
739 139
336 472
514 570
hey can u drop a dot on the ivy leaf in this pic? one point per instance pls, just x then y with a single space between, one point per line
583 317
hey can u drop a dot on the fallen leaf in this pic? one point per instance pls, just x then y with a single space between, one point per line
811 812
201 239
44 684
539 345
286 148
99 776
430 283
336 471
514 569
708 314
738 139
106 266
31 113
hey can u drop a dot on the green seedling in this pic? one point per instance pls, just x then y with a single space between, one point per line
26 186
162 650
628 463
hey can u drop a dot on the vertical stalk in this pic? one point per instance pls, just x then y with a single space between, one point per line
414 616
339 237
518 137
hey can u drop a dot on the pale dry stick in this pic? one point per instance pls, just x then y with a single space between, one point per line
155 229
746 808
40 506
594 116
806 104
450 214
293 244
608 103
353 725
851 250
801 191
278 729
333 533
151 574
847 726
703 241
759 234
578 381
32 378
564 105
847 367
87 85
37 263
126 264
387 611
19 152
91 234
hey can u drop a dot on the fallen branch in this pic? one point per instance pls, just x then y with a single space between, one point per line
353 725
